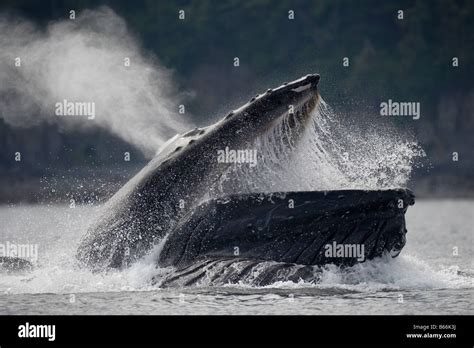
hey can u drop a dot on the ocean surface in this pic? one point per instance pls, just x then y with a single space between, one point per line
434 274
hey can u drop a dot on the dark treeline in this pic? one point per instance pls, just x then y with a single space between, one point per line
406 60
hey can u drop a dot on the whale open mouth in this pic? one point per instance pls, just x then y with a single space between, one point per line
289 127
275 148
279 119
299 104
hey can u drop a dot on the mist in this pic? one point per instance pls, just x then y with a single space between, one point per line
91 59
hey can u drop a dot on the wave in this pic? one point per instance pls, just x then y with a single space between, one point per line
406 272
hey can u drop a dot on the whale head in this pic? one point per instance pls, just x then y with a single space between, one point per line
292 102
288 106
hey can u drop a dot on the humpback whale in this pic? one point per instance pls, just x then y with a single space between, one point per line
207 229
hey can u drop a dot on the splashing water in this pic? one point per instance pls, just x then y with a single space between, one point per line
92 59
57 231
330 155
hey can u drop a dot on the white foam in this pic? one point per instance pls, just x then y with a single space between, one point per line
330 155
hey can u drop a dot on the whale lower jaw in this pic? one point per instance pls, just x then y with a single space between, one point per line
261 238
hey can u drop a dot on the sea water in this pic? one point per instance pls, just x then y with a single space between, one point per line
434 274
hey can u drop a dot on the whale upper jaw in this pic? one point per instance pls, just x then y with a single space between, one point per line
296 89
240 127
298 96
